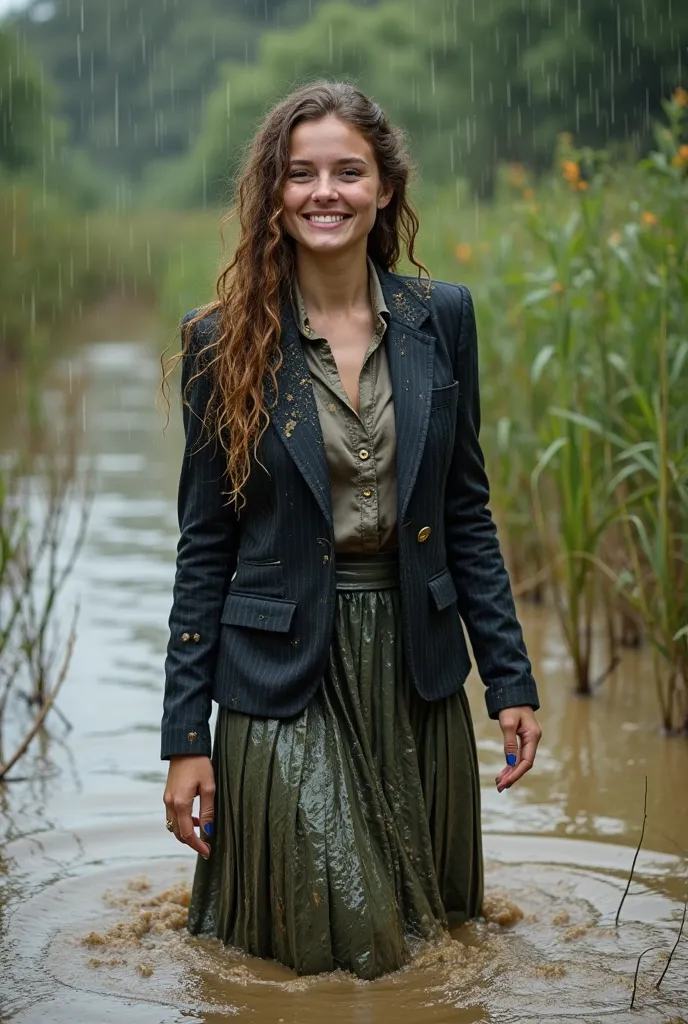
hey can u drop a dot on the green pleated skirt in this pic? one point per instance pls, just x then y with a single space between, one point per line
348 833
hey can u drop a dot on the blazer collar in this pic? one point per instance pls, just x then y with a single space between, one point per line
410 353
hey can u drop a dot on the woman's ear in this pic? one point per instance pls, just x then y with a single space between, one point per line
384 196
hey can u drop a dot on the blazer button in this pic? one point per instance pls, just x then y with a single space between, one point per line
424 534
191 736
185 637
196 637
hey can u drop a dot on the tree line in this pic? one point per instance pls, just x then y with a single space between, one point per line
167 94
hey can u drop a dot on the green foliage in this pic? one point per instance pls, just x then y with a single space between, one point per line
133 77
586 391
22 127
474 84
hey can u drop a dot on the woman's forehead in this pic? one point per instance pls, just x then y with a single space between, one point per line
328 138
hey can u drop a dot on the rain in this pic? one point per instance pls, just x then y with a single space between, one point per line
550 148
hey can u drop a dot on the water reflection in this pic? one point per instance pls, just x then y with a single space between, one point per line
92 816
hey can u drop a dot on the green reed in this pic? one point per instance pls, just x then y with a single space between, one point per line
596 292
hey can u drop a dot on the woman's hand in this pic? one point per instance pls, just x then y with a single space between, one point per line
517 724
188 777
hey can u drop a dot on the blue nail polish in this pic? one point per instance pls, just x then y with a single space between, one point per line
208 828
511 760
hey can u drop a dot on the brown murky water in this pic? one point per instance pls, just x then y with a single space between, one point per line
86 854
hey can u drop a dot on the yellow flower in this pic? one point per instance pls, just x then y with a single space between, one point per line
557 287
681 96
464 252
649 219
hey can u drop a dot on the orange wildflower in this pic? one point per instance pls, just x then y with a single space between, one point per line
681 96
464 252
681 158
557 287
649 219
528 193
614 238
571 172
581 186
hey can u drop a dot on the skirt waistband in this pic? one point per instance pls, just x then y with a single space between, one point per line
367 572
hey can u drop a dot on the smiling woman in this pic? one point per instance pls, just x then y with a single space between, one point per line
336 403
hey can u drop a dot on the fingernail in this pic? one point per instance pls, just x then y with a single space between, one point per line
208 828
511 760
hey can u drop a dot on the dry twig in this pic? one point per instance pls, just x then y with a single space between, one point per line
671 955
630 877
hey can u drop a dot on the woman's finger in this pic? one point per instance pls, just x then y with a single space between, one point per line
187 835
508 776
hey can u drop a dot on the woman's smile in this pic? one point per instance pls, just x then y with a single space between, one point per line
326 221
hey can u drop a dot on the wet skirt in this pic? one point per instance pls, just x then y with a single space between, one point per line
347 833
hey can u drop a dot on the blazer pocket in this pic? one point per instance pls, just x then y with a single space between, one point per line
439 397
273 614
443 590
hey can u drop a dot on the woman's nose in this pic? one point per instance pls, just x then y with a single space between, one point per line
324 188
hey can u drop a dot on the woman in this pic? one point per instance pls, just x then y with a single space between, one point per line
334 532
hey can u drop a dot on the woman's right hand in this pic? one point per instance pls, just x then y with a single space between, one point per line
188 777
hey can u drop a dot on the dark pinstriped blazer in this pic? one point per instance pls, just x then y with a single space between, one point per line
254 594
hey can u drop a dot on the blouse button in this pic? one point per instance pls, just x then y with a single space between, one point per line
424 534
364 454
367 493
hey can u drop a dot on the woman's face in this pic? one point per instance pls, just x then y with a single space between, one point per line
333 190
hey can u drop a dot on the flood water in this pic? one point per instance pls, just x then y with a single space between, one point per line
93 886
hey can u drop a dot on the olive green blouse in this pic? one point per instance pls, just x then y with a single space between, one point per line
360 447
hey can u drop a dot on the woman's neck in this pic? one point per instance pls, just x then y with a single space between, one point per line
333 284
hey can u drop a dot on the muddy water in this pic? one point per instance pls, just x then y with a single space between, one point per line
94 888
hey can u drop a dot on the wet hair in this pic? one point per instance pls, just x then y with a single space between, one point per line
253 286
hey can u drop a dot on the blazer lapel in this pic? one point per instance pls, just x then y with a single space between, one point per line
410 354
295 416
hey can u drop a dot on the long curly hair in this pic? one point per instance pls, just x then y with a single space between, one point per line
252 288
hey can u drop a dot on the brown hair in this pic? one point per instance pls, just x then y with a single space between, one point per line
253 286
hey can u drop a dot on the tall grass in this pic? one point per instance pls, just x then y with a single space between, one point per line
585 372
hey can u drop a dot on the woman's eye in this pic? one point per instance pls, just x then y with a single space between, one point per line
298 174
351 172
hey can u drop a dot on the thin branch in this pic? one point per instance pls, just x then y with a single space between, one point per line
630 877
637 969
45 707
671 955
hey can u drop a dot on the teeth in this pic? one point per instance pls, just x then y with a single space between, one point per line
326 219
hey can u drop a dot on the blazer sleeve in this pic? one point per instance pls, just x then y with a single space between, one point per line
206 559
485 600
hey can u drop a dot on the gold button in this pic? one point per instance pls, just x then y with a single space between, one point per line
326 559
185 637
364 454
424 534
196 637
367 493
191 736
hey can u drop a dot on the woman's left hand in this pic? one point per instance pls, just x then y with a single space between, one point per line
521 737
